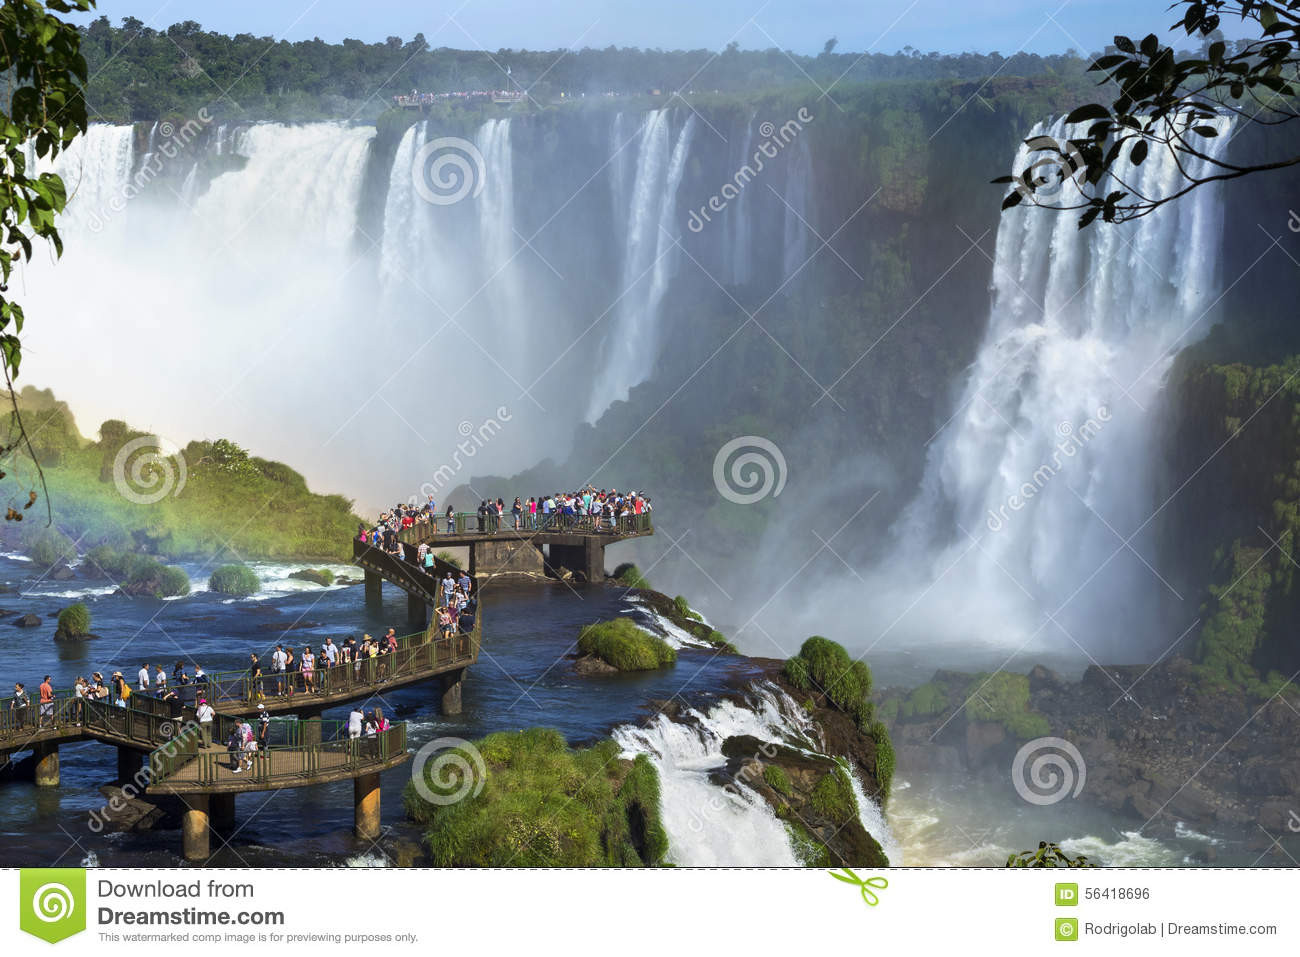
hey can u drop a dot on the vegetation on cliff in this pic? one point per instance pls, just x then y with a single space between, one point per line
624 646
825 668
1236 529
132 495
534 802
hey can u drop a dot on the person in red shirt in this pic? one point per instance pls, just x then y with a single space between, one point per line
47 703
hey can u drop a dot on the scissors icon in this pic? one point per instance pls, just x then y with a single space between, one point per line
868 895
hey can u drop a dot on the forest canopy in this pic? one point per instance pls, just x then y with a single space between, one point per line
139 73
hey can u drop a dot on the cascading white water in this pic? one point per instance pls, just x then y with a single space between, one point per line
649 260
307 178
1042 472
795 232
96 170
711 825
407 227
742 242
499 247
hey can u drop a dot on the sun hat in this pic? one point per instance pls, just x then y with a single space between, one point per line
261 707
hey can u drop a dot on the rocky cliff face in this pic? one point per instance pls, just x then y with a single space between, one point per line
1157 746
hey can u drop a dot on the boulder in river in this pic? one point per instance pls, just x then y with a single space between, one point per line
27 621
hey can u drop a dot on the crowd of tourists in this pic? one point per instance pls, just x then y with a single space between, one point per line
289 672
594 510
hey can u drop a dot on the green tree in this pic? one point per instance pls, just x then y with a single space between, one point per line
1167 100
40 56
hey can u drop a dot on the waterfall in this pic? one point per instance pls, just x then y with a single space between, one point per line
1042 471
96 171
499 247
649 260
741 241
406 219
307 177
707 825
798 187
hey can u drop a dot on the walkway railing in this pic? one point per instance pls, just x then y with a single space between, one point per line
415 654
470 523
181 762
145 721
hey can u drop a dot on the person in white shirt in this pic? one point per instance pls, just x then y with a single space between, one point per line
354 722
205 714
160 680
144 677
331 651
278 661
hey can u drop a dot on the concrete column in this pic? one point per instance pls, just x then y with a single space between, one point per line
451 687
473 559
129 762
365 801
594 563
195 843
46 755
417 612
374 589
222 810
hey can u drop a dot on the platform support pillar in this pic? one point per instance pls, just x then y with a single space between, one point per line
195 841
365 801
47 765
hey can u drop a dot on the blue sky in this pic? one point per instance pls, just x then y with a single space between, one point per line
803 26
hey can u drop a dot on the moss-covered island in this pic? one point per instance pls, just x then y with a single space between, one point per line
620 645
126 498
526 799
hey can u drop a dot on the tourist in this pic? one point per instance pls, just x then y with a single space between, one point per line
451 520
46 692
205 713
177 672
465 622
144 677
369 728
175 709
235 746
18 705
249 751
420 552
464 582
354 722
160 679
291 666
263 727
81 691
200 678
532 512
308 670
517 510
278 663
448 587
121 690
254 677
381 723
444 621
429 562
331 652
